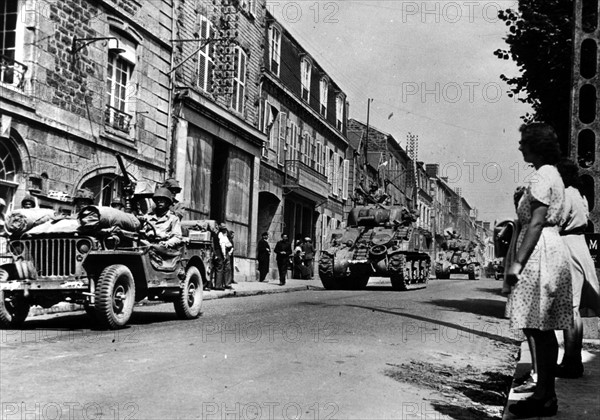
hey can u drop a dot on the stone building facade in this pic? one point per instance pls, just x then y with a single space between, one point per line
80 82
304 176
217 58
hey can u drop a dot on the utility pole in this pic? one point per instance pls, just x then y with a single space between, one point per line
369 100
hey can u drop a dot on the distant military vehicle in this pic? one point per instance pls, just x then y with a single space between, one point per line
457 257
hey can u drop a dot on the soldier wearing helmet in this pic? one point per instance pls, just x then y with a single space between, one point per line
165 227
83 197
116 203
173 185
28 202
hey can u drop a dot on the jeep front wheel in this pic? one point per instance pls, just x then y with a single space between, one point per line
115 296
189 301
13 310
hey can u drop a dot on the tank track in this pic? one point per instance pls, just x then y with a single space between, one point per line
326 272
409 272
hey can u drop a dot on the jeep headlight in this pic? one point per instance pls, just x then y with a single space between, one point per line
83 247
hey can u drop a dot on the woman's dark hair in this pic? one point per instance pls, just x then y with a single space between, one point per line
542 140
569 171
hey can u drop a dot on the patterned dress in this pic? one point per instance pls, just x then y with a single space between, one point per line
542 298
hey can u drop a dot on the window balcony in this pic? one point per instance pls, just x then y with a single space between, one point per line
12 72
305 180
117 119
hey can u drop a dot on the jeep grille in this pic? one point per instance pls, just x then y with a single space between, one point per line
51 256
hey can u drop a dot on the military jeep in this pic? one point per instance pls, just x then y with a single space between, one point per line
106 271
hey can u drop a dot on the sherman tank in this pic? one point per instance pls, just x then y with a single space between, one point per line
458 257
378 241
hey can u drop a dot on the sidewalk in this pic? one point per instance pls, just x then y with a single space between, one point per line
577 398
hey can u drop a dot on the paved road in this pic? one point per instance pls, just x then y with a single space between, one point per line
312 355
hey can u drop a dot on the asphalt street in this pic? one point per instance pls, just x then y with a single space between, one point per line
313 355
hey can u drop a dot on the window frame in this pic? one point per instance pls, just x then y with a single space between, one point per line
323 95
239 80
305 78
18 46
339 112
119 102
275 34
206 54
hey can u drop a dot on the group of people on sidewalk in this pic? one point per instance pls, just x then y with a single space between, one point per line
301 258
550 274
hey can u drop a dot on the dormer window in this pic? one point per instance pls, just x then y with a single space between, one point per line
305 72
323 91
339 112
274 49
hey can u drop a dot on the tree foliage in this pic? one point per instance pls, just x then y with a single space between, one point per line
540 42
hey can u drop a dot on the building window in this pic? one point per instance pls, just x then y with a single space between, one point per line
274 49
105 188
339 112
305 70
248 6
294 144
323 91
12 71
239 82
119 89
205 55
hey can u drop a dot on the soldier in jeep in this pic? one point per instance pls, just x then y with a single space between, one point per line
162 227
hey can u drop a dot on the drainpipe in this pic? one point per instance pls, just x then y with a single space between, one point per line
170 128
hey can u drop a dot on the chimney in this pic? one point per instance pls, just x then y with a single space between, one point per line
432 169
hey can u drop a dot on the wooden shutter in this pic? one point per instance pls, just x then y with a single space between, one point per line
346 175
281 152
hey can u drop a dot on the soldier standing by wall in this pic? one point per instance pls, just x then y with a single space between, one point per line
283 250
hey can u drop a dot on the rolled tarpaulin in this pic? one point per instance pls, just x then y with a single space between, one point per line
209 225
21 220
92 218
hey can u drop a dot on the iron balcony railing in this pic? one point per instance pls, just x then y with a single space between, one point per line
117 119
12 72
298 173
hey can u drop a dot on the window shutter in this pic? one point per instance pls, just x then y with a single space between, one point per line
281 152
334 181
345 178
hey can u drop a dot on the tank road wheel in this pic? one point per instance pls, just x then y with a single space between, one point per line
397 268
13 310
189 301
115 296
326 272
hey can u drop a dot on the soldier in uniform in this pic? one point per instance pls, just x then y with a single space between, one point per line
83 197
173 185
28 202
162 227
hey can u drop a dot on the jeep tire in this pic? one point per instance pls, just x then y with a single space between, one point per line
114 297
189 302
14 312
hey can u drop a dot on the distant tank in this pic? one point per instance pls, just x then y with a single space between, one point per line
458 257
379 241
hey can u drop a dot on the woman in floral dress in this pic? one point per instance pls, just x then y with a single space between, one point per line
541 298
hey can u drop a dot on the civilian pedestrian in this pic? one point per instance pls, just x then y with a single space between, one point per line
309 256
283 251
541 298
298 258
263 255
584 280
221 258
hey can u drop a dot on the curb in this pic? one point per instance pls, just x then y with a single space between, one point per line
570 393
208 295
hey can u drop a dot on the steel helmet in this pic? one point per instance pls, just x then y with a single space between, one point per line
163 192
2 202
28 199
172 185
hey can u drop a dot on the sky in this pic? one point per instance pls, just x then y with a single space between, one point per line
430 69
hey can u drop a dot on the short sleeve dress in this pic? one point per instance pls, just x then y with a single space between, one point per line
542 298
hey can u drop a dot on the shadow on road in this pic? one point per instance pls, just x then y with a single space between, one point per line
480 329
484 307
